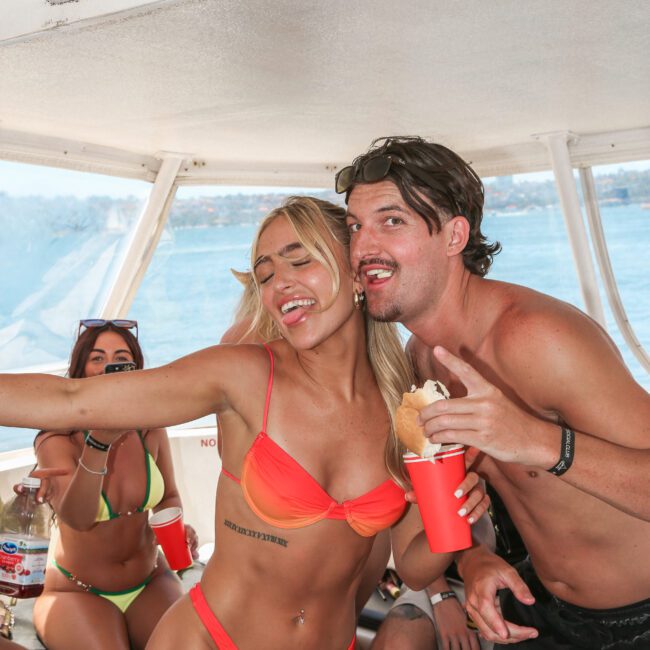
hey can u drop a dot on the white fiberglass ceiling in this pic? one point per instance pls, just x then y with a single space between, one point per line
304 82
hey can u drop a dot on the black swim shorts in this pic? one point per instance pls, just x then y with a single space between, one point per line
563 626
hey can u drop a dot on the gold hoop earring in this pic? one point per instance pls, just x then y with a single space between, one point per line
358 299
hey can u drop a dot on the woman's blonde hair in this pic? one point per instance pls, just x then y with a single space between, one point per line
247 305
320 225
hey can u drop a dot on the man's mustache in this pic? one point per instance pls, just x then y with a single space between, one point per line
376 260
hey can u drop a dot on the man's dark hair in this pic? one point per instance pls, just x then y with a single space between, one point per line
452 188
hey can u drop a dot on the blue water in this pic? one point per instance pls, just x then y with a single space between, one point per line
187 298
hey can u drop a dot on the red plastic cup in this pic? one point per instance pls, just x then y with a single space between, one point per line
434 484
170 532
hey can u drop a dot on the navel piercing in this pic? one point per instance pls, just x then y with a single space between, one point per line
300 619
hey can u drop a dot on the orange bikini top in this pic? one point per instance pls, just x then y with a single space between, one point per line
282 493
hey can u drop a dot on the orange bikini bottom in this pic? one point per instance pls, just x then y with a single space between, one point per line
211 622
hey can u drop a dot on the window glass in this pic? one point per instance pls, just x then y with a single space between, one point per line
623 192
188 296
63 235
523 213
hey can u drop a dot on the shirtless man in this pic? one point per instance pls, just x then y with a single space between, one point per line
539 388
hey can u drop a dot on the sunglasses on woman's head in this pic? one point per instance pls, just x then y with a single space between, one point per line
88 323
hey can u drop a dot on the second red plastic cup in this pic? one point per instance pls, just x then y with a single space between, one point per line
169 529
434 484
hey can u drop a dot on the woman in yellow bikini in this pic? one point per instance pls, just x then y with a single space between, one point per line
108 586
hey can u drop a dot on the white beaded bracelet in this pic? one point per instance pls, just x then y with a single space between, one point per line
92 471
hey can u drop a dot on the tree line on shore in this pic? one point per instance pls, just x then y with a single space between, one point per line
66 214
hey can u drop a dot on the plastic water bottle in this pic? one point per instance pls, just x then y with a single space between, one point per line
24 542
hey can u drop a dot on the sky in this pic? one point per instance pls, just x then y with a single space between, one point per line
19 179
640 165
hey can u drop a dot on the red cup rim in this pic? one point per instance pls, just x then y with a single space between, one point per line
167 512
446 451
166 523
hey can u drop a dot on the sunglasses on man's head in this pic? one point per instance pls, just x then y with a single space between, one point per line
375 168
371 170
88 323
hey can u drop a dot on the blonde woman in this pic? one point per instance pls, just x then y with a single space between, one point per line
242 331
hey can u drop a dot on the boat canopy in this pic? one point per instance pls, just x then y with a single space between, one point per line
285 92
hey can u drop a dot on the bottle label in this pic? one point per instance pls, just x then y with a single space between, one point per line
22 559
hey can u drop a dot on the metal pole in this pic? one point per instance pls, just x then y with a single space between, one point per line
144 240
557 144
605 266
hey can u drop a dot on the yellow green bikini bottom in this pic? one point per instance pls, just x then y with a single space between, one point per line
121 599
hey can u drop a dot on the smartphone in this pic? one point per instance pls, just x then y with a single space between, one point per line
122 366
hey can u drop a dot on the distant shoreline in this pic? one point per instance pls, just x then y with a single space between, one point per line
504 196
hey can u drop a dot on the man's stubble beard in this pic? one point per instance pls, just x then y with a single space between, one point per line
387 314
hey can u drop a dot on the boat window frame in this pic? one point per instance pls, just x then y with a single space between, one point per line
167 172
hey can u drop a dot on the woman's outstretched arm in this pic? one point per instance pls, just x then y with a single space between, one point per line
183 390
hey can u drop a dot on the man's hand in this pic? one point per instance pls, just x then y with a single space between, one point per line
485 418
484 574
451 623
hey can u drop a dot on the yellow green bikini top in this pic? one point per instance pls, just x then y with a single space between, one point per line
152 496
